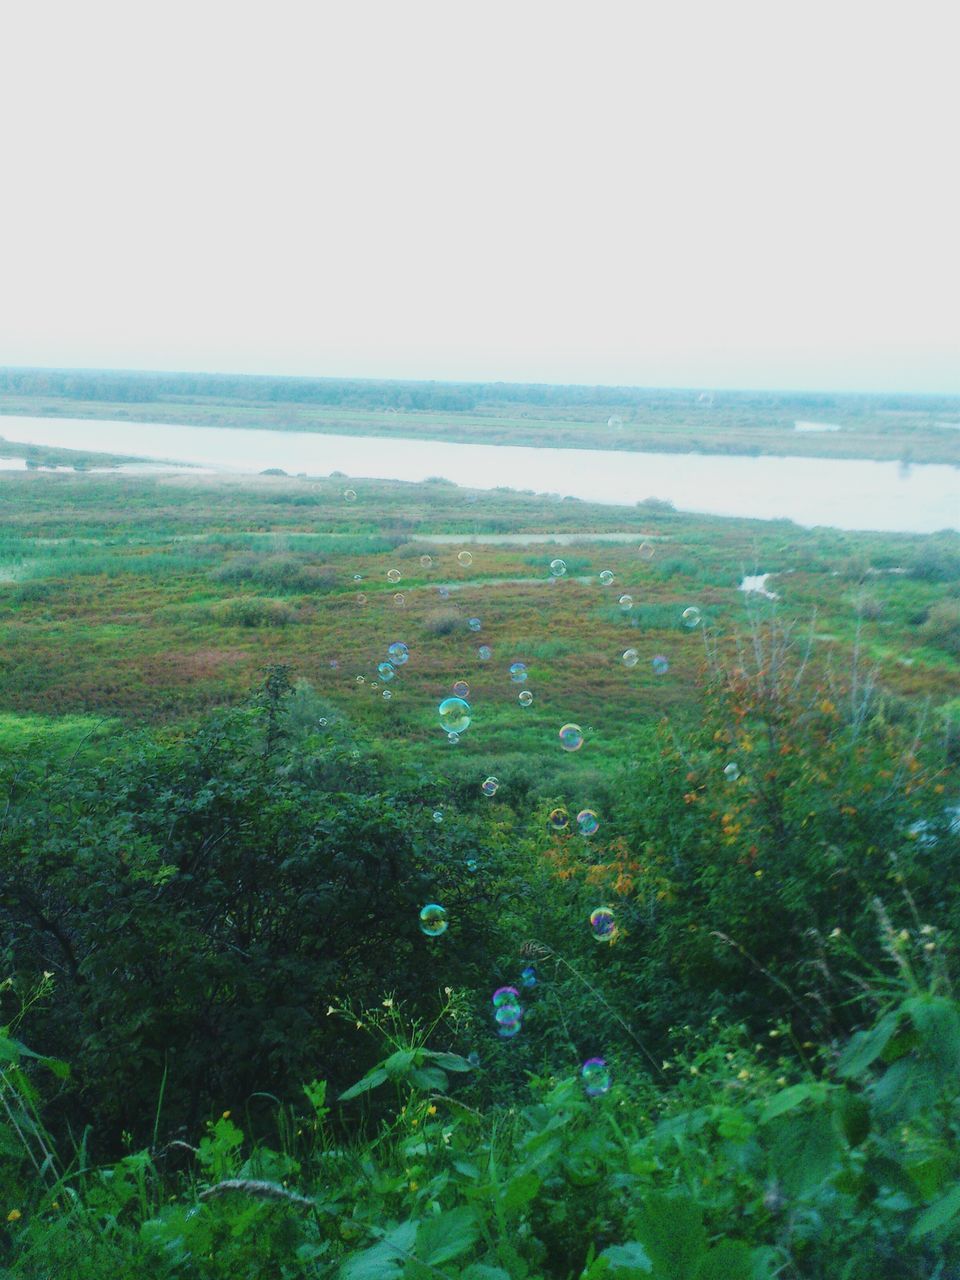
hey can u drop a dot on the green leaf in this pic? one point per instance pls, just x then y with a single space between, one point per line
938 1023
938 1215
429 1078
449 1061
672 1232
369 1081
477 1271
446 1237
854 1116
624 1261
866 1046
729 1260
789 1100
385 1259
520 1190
805 1150
399 1063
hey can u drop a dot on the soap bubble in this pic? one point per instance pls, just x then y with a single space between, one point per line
393 575
438 815
508 1029
690 618
322 722
630 657
358 577
603 924
374 685
525 698
361 598
732 771
461 689
399 600
484 653
443 593
472 865
596 1077
646 550
615 422
385 670
387 694
465 558
433 920
571 737
588 822
518 672
453 738
507 1010
349 495
505 996
625 603
473 1059
474 624
360 680
660 665
335 663
528 976
606 577
558 568
490 786
454 715
558 820
398 653
426 562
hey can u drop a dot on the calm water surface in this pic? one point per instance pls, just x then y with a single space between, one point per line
846 494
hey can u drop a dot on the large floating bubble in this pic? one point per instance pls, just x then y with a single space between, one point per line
606 577
490 786
465 558
558 568
433 920
385 670
660 665
518 672
596 1077
732 771
461 689
525 698
625 603
630 657
558 820
398 653
690 618
588 822
603 924
571 737
484 653
393 575
646 550
474 624
454 715
505 996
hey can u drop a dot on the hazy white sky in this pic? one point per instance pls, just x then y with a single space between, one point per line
665 193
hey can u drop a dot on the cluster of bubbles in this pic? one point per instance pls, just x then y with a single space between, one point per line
507 1011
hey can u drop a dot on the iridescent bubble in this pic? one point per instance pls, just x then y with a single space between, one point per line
507 1010
484 653
472 865
558 568
393 575
646 550
525 698
454 715
461 689
426 562
490 786
558 820
732 771
528 976
625 603
438 815
443 593
349 495
660 665
588 822
399 600
387 694
630 657
453 738
433 920
571 737
518 672
509 1029
398 653
690 618
606 577
596 1077
474 624
361 598
465 558
505 996
385 670
603 924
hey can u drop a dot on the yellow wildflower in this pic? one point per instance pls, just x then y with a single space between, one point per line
14 1215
